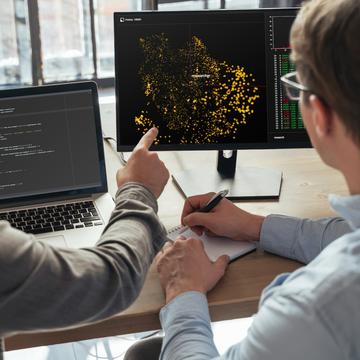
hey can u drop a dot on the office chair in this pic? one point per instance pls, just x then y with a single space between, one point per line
148 349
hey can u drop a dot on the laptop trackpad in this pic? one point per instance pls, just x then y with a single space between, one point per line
58 241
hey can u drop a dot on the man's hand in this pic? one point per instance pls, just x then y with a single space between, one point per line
225 219
184 266
145 167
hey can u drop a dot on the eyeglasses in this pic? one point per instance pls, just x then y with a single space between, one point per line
292 87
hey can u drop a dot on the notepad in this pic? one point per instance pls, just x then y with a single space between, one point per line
215 246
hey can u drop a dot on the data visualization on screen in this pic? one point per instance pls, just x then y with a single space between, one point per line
208 79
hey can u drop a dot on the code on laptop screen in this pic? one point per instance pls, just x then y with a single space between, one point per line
47 144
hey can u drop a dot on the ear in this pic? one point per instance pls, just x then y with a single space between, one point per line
321 117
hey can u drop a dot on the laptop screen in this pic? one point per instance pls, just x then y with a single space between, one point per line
49 141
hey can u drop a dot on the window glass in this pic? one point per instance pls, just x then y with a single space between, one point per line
66 39
171 5
241 4
105 31
15 55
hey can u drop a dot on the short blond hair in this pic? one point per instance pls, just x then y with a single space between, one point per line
325 39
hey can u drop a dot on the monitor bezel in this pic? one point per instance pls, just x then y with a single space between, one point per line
191 147
68 194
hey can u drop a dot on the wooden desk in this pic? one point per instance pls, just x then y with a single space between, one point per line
306 184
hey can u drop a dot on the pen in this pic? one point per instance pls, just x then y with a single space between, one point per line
213 201
209 205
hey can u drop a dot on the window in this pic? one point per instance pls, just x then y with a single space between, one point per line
65 33
15 54
171 5
104 30
44 41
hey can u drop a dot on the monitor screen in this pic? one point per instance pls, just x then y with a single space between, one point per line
50 142
206 79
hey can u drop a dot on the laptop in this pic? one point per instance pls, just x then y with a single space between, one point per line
52 168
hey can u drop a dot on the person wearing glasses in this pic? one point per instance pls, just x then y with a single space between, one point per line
312 313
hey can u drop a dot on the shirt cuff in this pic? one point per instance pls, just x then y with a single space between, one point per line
189 303
277 234
137 191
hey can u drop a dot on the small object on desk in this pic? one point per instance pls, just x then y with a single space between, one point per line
215 246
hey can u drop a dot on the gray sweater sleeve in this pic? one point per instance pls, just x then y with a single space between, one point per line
43 287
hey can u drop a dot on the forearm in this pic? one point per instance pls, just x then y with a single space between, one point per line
300 239
137 205
187 327
44 287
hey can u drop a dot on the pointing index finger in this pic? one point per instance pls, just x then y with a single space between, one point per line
148 138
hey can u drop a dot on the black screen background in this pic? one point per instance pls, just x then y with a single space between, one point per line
236 42
48 144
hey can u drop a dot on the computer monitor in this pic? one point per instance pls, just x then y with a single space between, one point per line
208 80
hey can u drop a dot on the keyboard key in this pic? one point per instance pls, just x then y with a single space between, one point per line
38 230
87 204
59 228
69 226
98 223
90 218
79 226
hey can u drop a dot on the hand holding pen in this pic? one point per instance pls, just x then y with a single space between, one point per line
222 219
209 205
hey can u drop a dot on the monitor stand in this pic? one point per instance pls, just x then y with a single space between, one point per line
242 182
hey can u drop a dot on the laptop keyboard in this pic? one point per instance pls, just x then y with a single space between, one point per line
54 218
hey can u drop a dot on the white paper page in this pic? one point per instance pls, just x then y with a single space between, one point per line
216 246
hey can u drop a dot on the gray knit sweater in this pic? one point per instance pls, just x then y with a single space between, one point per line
42 287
